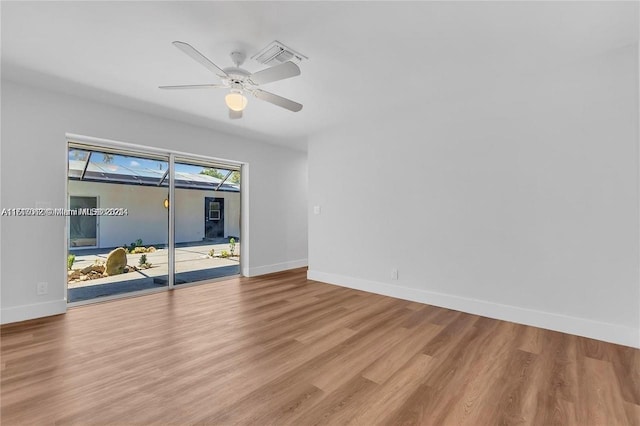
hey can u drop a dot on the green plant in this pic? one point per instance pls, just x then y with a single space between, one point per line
232 246
211 252
70 259
212 172
224 254
142 262
131 247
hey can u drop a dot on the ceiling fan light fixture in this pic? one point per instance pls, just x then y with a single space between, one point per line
236 101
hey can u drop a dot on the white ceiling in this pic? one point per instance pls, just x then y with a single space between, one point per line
365 58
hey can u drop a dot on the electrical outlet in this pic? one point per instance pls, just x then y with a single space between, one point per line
43 288
317 209
394 274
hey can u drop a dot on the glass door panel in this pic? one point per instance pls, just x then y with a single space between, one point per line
207 221
118 238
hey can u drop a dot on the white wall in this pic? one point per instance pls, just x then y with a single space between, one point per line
190 214
520 204
33 169
147 217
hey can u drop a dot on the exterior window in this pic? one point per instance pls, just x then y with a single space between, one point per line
214 210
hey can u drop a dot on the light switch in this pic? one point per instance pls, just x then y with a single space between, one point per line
316 209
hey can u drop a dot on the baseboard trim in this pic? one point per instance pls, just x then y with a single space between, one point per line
276 267
607 332
36 310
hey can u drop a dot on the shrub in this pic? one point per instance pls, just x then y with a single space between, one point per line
70 259
142 262
132 247
211 252
232 246
224 254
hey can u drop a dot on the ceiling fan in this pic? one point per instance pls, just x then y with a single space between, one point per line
240 82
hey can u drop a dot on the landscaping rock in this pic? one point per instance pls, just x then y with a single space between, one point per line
73 275
116 261
92 268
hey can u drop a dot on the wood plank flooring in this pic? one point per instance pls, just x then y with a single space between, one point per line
283 350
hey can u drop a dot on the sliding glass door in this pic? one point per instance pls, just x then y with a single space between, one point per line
137 224
207 220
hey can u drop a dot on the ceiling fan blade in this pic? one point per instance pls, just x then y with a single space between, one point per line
277 100
279 72
195 86
199 57
234 114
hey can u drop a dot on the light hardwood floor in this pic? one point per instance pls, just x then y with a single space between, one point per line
280 349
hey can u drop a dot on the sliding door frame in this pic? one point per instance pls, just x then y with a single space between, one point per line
88 142
172 222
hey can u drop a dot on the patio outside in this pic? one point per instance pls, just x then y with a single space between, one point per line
193 263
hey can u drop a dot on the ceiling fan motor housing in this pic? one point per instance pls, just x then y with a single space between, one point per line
236 87
236 75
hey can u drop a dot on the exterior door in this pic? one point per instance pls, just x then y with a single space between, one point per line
213 217
83 229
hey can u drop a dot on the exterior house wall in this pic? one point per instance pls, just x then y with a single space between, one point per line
190 214
147 217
